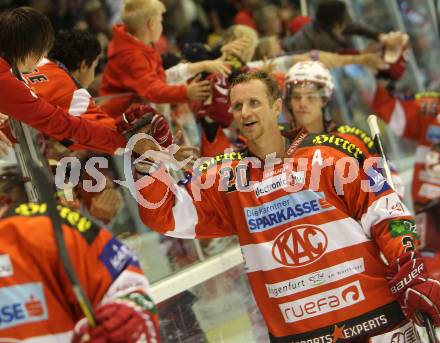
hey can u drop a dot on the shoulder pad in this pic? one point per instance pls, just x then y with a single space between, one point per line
232 156
361 134
336 142
71 218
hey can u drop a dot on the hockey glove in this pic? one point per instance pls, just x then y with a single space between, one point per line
415 290
119 321
131 118
142 115
160 131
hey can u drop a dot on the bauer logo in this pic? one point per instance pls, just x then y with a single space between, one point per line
284 210
322 303
22 304
299 245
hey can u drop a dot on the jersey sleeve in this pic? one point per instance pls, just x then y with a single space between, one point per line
401 115
17 100
184 211
371 201
106 268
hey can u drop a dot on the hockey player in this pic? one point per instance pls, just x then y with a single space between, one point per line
417 119
25 37
63 78
37 303
308 89
311 240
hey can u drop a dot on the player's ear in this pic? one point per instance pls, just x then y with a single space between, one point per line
82 65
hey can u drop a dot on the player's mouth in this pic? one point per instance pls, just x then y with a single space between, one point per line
249 124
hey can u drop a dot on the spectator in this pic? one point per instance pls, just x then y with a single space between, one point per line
268 47
297 23
134 67
268 21
216 10
245 14
330 30
62 80
97 21
25 37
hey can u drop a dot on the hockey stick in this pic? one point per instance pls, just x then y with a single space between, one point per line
42 186
375 133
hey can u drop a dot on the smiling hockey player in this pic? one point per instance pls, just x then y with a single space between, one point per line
311 238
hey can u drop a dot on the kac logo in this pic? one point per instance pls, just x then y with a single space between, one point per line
299 245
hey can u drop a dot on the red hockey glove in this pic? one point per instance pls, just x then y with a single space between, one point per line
217 106
415 290
119 321
141 115
160 131
131 117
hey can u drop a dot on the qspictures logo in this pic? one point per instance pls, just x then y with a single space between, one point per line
217 171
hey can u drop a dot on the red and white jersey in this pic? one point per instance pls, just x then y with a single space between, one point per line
418 120
37 304
57 86
19 101
311 243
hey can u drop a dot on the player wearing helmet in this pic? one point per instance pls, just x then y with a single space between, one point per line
308 89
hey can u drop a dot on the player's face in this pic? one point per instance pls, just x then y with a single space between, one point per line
307 103
255 114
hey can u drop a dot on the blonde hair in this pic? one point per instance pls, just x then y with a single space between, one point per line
264 46
240 31
136 12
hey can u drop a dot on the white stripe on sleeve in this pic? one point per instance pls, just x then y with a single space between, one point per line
386 207
80 102
185 215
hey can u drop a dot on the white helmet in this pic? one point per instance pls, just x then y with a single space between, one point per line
311 71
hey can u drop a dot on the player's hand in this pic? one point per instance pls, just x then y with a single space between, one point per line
199 90
118 322
186 153
217 66
237 47
415 290
128 120
105 205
